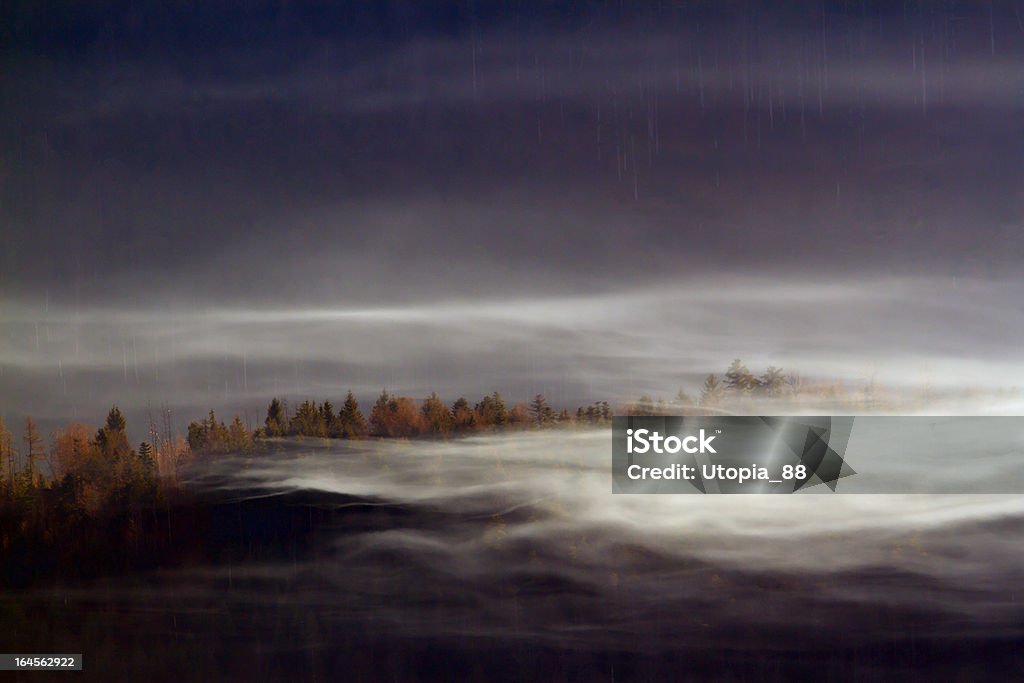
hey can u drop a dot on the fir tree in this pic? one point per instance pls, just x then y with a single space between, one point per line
712 391
379 415
540 411
463 417
308 420
327 418
772 382
112 438
276 422
353 424
239 436
436 415
738 379
491 411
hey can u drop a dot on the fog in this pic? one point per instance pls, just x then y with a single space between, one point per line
904 334
517 539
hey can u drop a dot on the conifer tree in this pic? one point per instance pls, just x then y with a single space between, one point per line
145 462
491 411
308 420
436 415
328 418
112 438
738 379
379 415
463 417
239 437
353 424
540 411
277 421
500 413
712 391
772 382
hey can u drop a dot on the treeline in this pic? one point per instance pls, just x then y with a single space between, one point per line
83 468
86 502
739 382
88 497
736 384
395 416
390 416
739 388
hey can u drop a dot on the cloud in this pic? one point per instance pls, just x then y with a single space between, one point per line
597 212
615 345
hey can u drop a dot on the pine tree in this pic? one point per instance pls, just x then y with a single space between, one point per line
209 436
277 421
738 379
712 391
115 420
308 420
463 417
436 414
540 411
146 462
500 413
353 424
328 418
112 438
379 422
772 382
491 411
239 437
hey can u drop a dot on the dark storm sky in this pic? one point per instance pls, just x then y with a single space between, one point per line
209 205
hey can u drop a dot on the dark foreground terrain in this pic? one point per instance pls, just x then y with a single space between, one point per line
491 560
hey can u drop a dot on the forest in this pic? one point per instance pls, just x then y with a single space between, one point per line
90 500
